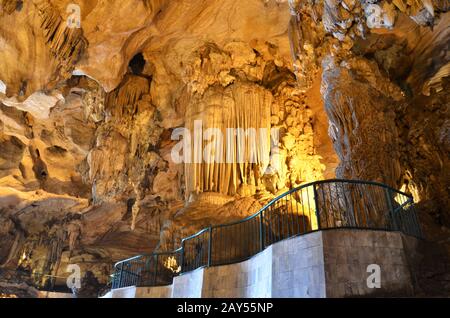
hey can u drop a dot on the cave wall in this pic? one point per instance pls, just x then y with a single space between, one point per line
383 66
87 116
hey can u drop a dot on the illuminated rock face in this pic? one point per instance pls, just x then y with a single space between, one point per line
378 62
88 115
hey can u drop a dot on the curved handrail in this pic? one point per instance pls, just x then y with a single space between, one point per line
270 203
259 215
196 234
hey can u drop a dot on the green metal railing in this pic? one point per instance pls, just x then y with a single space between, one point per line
50 283
320 205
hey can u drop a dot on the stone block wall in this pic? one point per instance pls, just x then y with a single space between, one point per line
248 279
298 267
154 292
188 285
347 255
141 292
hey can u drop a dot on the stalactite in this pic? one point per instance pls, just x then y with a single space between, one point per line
66 44
237 107
73 234
124 98
152 5
9 6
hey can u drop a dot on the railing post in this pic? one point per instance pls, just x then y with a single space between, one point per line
156 269
416 222
112 280
316 202
209 246
182 257
52 282
261 231
391 209
121 274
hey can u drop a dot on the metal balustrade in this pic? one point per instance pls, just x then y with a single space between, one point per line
50 283
320 205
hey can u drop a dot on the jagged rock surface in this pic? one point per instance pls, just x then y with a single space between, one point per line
384 68
86 170
87 116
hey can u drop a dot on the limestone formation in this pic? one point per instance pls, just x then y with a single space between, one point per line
96 99
374 71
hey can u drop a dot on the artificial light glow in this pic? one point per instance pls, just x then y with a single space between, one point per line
22 259
400 199
171 263
305 206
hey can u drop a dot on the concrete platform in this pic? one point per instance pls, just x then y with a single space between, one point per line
331 263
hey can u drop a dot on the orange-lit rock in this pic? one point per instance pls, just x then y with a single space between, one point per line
87 114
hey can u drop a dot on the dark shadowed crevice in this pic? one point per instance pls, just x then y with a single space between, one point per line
137 64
